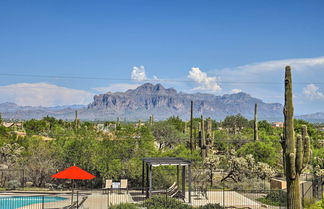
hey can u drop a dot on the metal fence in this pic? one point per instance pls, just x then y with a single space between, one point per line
21 200
100 199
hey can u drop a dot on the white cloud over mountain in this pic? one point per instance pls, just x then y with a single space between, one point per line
138 73
203 81
312 91
43 94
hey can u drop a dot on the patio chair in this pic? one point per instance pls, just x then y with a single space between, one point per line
71 206
108 185
123 185
171 187
176 193
80 205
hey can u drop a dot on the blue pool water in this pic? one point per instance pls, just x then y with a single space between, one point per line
15 202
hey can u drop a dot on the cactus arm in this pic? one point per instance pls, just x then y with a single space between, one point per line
292 160
307 151
299 154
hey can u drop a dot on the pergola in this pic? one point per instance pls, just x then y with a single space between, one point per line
147 169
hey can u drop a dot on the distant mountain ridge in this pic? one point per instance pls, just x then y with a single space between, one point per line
150 99
317 117
147 99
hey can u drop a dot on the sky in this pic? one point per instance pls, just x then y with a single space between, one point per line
59 52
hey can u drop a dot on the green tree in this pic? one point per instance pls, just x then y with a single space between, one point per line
261 152
167 135
235 122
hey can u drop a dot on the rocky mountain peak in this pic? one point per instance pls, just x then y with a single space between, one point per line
151 89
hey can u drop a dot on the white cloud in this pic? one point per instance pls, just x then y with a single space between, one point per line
43 94
312 91
138 73
117 87
301 64
203 81
235 91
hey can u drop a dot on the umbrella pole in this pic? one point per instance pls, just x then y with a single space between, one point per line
72 191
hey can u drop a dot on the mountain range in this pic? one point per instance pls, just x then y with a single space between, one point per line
148 99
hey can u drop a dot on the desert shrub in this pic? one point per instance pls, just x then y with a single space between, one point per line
124 206
318 205
308 202
275 198
13 184
29 184
164 202
211 206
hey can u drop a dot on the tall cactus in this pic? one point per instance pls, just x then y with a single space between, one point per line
191 125
203 138
256 135
151 120
117 122
209 128
76 120
296 155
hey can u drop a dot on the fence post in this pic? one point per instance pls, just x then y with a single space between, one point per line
77 199
43 202
302 194
223 196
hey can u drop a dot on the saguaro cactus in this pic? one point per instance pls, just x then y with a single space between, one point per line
117 123
296 151
76 120
256 136
151 120
191 125
203 138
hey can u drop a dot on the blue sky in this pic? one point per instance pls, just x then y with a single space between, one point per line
208 46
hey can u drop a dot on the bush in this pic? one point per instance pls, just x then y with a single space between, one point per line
164 202
276 198
308 202
211 206
318 205
29 184
124 206
13 184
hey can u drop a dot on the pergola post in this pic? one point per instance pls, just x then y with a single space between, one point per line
184 180
147 180
178 175
150 181
189 182
143 176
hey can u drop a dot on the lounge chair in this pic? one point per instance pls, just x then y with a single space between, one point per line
174 192
123 185
108 185
80 205
71 206
171 187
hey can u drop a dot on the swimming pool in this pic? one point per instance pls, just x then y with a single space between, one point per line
14 202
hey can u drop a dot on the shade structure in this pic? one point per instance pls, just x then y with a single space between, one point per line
73 172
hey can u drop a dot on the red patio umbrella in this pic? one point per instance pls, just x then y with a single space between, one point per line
73 173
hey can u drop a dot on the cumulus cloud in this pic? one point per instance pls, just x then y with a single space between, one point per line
117 87
203 81
138 73
43 94
235 91
312 91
